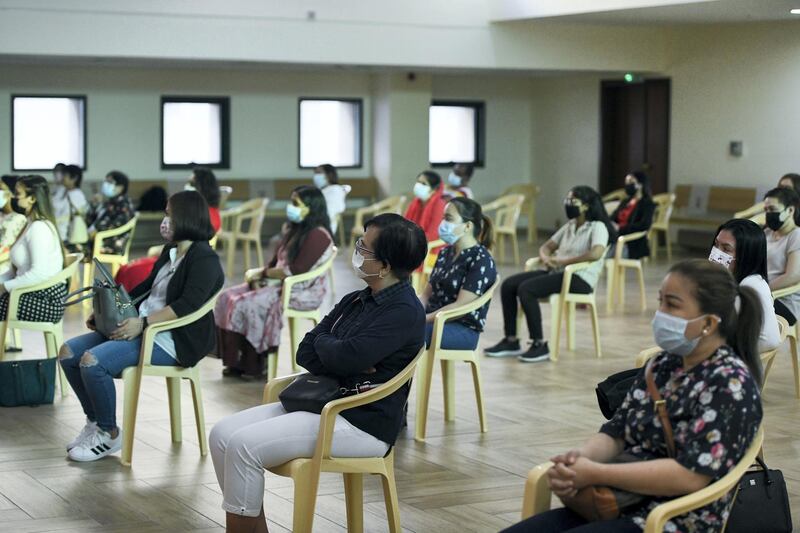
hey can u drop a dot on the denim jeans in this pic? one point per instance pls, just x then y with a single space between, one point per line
455 336
92 363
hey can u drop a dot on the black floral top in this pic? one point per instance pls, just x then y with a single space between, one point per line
715 411
472 270
111 213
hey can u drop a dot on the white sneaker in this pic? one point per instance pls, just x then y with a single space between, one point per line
87 430
96 446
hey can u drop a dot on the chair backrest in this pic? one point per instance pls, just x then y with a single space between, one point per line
100 236
645 355
443 316
664 205
252 212
291 281
224 193
508 209
392 204
616 195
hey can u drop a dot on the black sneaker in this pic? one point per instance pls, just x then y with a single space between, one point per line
504 348
536 353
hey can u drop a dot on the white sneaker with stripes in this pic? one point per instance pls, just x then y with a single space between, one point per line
96 446
88 429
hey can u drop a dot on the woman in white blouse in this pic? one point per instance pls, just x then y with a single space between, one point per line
35 256
741 246
11 222
326 179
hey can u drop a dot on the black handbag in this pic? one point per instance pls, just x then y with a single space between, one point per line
310 393
612 391
29 382
761 504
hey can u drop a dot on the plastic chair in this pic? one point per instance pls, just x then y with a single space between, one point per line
252 212
448 358
617 195
665 202
393 204
792 334
132 379
53 332
751 212
531 193
563 304
225 192
293 316
537 495
115 260
420 278
508 209
615 273
305 472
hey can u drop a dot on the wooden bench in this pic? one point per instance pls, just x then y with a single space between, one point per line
701 209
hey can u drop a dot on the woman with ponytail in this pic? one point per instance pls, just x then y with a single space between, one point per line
464 270
709 375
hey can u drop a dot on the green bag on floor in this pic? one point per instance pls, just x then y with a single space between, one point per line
29 382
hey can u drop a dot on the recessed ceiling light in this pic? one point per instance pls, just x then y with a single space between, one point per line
795 11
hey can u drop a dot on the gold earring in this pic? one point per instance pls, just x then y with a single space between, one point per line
705 331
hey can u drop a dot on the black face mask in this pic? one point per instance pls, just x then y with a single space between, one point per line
774 221
16 207
573 211
630 189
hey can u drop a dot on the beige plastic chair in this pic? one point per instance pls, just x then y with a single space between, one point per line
115 260
665 203
155 251
305 472
562 305
792 334
419 279
615 273
617 195
225 192
132 379
531 193
293 316
752 212
507 211
251 212
393 204
53 332
536 499
448 359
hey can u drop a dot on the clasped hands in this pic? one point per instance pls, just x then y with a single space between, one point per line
570 473
550 262
128 329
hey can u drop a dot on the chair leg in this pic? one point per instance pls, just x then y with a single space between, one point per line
669 245
795 364
571 325
449 389
515 244
3 333
174 398
520 321
199 414
556 313
354 502
390 495
133 384
259 252
595 329
306 484
230 248
56 340
293 341
610 281
246 246
272 364
476 380
424 377
642 294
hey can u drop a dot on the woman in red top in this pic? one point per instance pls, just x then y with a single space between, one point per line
635 213
427 208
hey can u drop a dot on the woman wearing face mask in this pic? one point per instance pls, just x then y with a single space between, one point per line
186 275
68 199
709 374
369 337
427 208
635 214
741 247
11 223
326 179
112 211
249 316
584 238
464 270
783 244
457 185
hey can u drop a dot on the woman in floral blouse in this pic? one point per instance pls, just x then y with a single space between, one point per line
463 271
709 375
115 210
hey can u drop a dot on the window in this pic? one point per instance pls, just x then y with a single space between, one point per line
330 132
194 131
456 133
47 130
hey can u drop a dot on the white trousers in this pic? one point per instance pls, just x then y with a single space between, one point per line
244 444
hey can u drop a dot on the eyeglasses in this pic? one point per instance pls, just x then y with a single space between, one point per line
363 249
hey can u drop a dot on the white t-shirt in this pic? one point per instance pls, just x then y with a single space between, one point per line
335 196
778 249
61 199
36 256
770 337
574 242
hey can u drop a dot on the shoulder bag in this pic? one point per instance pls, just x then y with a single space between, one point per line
28 382
598 503
611 392
761 504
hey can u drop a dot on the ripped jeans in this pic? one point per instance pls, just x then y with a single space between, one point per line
91 362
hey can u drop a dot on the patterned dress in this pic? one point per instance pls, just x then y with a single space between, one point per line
715 411
112 213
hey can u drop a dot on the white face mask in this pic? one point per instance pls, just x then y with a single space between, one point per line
422 191
358 262
454 180
189 187
669 332
718 256
108 189
3 199
320 180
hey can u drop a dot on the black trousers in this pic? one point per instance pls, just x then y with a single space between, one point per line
528 288
782 310
564 520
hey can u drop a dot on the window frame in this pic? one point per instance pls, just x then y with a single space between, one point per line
224 103
480 131
354 100
40 95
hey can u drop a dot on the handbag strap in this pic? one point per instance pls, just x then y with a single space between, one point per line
67 302
660 406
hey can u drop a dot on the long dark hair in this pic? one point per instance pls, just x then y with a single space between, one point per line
794 178
716 291
434 179
470 211
37 187
643 180
330 173
595 210
751 248
317 217
206 184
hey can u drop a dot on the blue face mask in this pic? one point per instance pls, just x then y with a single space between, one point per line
454 180
669 332
294 213
446 232
108 189
320 180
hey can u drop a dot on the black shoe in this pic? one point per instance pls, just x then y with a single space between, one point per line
536 353
231 372
504 348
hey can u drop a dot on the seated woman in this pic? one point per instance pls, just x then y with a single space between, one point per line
36 256
112 211
584 238
635 214
249 316
464 270
11 223
783 243
457 185
371 335
709 372
426 210
68 200
741 247
326 179
790 181
184 278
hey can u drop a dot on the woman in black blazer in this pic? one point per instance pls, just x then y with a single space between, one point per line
186 275
635 213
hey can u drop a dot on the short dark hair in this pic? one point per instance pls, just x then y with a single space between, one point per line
330 173
59 167
206 184
644 180
120 179
400 244
188 212
751 248
467 169
74 172
434 179
788 198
